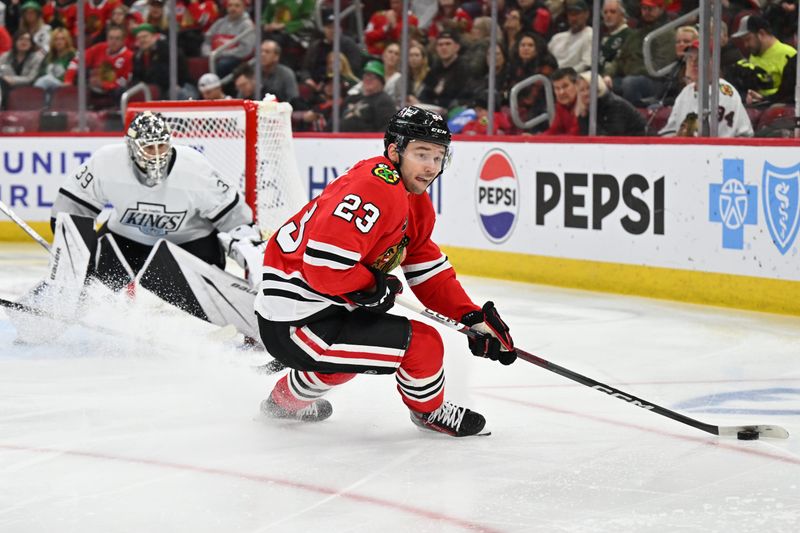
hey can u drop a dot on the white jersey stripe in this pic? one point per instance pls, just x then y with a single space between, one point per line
428 275
315 353
320 262
423 266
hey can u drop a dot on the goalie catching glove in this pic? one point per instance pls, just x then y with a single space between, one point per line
387 287
495 343
243 244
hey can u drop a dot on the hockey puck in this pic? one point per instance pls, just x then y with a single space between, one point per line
747 435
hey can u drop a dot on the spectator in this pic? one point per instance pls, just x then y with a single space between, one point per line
109 65
565 89
629 76
58 59
615 115
502 85
124 18
683 120
417 72
31 22
573 48
477 45
284 21
194 17
276 78
61 14
446 82
616 30
314 113
730 55
244 81
20 65
372 109
512 29
385 27
151 63
530 58
766 52
346 74
96 13
210 87
449 17
535 17
235 23
391 68
156 16
314 70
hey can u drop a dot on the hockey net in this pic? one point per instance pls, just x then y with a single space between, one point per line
249 143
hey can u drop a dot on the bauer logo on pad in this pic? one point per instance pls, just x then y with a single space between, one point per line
497 196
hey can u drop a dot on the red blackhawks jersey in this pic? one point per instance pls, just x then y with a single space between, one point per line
365 218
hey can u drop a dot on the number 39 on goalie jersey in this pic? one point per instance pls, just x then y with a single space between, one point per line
365 218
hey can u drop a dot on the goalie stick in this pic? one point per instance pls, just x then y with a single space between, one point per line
764 430
25 227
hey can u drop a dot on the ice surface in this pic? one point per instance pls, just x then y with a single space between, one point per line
105 433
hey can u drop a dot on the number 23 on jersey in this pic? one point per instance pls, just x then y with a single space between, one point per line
290 236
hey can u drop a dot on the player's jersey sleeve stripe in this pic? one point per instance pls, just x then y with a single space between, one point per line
318 258
286 294
422 272
80 201
296 285
324 247
226 210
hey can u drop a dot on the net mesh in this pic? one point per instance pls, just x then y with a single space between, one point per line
221 134
280 191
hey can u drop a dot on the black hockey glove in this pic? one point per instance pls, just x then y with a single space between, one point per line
381 299
495 343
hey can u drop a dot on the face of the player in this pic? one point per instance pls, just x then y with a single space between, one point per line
421 163
151 151
566 91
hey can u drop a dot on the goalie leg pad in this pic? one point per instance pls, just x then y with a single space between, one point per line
111 267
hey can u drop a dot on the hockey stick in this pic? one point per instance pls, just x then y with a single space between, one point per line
25 227
742 432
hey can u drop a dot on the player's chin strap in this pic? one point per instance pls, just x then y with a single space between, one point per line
772 431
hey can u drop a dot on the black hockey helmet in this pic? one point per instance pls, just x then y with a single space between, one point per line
413 123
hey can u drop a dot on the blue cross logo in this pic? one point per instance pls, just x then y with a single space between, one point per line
733 203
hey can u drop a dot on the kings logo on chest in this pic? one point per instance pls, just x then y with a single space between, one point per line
153 219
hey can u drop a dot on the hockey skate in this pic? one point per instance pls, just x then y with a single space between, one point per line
452 420
317 411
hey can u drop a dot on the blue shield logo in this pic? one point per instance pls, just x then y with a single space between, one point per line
781 194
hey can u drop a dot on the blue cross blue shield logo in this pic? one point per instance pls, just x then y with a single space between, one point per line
781 193
733 203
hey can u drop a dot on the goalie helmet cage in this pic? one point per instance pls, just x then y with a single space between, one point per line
247 142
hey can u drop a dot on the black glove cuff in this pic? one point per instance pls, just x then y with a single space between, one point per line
368 299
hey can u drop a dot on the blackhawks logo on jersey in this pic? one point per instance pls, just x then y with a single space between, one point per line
726 89
386 173
392 257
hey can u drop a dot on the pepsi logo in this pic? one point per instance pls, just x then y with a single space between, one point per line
497 196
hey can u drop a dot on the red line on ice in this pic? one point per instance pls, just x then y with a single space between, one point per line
259 478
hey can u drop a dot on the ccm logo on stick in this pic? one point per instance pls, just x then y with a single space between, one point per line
621 396
606 195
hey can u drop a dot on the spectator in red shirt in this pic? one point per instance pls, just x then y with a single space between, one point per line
450 17
565 88
62 14
96 13
109 64
385 27
195 17
5 40
535 17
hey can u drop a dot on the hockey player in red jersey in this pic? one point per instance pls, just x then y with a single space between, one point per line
326 288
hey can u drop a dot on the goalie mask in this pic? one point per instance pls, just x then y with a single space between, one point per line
413 123
149 146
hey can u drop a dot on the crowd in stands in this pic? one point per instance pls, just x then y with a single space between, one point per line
448 60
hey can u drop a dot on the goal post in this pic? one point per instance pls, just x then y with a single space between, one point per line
248 142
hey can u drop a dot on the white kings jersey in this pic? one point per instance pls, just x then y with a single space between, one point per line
732 116
189 204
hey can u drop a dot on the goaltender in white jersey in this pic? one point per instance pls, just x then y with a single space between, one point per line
156 191
731 113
